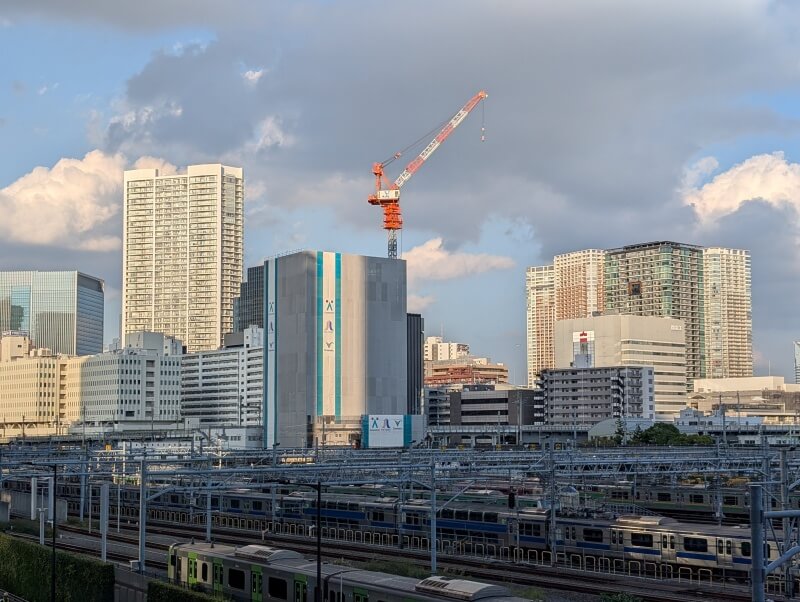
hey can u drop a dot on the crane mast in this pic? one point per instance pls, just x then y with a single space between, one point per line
388 195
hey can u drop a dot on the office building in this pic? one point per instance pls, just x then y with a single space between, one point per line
137 387
728 313
248 307
586 396
225 387
182 252
60 311
415 364
627 340
465 371
769 397
662 279
335 329
436 348
540 303
578 282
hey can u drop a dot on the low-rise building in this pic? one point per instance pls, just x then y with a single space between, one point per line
465 371
586 396
769 397
224 388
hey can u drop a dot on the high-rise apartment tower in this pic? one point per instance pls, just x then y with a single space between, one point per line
540 301
662 279
578 280
728 319
182 252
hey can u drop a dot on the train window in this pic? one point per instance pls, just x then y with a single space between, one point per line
671 542
236 578
378 515
172 558
592 535
720 546
361 597
642 540
447 513
695 544
728 547
573 532
204 571
257 506
774 503
664 542
476 517
276 588
696 498
745 547
613 537
462 515
730 500
234 503
490 517
664 497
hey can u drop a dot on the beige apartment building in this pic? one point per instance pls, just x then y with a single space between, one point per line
541 303
182 252
578 279
728 313
628 340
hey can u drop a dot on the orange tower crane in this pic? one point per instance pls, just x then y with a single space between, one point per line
388 195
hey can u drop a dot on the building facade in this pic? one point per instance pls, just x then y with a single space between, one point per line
225 387
728 313
60 311
540 319
436 348
182 252
335 329
626 340
248 307
465 371
586 396
415 365
578 281
797 362
662 279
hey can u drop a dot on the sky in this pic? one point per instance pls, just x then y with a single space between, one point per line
607 123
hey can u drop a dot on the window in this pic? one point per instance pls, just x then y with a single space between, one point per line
720 546
746 549
595 535
276 588
730 500
695 544
236 578
664 497
234 503
613 537
643 540
257 506
696 498
728 548
204 571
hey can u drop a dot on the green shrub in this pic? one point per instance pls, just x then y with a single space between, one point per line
25 572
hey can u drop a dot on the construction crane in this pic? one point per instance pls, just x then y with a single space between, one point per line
388 195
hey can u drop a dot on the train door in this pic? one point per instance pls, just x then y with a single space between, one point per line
360 595
218 576
257 587
617 539
668 547
724 552
191 575
300 588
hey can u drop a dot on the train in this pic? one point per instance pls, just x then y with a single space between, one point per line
257 573
523 533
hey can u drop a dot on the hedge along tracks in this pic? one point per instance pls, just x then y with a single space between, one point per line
557 578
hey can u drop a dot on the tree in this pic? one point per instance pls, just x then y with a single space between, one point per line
619 434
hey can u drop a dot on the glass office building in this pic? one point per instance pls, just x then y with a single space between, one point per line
61 311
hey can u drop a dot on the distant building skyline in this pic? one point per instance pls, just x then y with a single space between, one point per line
60 310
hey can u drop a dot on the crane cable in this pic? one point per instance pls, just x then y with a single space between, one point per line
417 142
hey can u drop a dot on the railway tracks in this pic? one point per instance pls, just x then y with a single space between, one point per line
556 578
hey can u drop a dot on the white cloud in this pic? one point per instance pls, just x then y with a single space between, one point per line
252 76
431 261
419 303
164 167
64 205
270 133
46 88
767 177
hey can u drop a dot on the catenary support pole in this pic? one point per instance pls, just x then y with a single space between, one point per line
433 518
318 595
142 513
757 543
54 498
103 521
208 509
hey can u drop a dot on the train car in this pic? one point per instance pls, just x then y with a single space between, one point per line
258 573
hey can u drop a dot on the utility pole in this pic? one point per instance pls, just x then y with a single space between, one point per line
433 517
142 511
318 596
54 498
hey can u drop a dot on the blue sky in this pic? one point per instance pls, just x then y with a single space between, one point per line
595 117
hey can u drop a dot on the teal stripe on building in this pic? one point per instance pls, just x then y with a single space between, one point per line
319 334
265 369
338 345
275 356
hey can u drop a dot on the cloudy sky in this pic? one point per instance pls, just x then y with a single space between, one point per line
608 123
